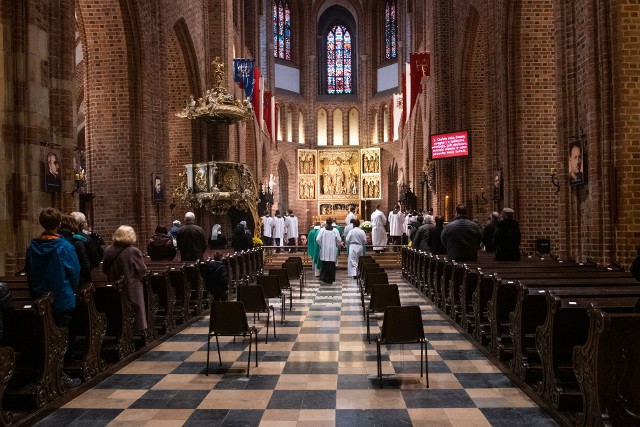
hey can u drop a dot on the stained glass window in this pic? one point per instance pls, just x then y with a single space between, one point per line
281 29
339 60
390 29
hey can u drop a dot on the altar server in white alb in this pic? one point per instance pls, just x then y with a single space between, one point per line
356 241
329 241
292 231
267 228
278 230
378 233
396 225
351 215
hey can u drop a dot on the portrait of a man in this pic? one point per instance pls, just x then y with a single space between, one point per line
158 188
498 186
52 180
576 165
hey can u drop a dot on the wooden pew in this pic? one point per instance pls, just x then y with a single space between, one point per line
555 342
39 347
499 283
89 328
87 325
606 368
531 308
182 288
197 300
113 300
159 284
7 366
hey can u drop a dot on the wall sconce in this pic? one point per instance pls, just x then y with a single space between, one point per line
554 179
79 181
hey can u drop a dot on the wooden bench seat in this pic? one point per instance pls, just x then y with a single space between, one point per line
7 366
501 285
113 300
531 309
87 325
606 368
39 346
555 342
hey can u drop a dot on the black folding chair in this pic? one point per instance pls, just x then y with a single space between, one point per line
255 302
228 318
382 296
403 325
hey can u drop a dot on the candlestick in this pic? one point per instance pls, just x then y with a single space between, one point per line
446 208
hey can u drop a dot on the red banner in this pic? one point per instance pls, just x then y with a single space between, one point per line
420 65
267 112
256 95
277 130
404 98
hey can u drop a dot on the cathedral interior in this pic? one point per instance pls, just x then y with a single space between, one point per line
332 104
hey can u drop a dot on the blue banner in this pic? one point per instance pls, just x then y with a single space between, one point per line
243 75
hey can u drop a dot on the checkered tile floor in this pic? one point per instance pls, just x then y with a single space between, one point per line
320 371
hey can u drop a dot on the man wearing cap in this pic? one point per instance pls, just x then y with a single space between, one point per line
192 241
461 237
506 238
487 233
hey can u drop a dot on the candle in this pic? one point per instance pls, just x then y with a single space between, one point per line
446 208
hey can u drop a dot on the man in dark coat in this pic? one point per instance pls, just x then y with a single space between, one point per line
433 238
462 237
192 242
216 278
506 238
487 233
160 246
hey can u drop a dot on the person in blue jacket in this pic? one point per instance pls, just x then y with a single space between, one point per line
52 266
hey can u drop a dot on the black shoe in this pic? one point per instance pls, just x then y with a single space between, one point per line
69 382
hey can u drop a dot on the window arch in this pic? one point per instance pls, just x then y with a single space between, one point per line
281 29
322 127
339 60
354 127
337 46
391 29
337 127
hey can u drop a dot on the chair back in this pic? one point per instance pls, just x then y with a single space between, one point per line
228 318
252 296
375 278
282 275
402 325
297 260
367 265
271 286
383 296
293 271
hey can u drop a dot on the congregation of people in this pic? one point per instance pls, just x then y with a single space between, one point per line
61 259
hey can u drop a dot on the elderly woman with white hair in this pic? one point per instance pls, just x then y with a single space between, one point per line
93 243
124 259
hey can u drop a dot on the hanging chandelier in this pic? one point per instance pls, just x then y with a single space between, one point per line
217 106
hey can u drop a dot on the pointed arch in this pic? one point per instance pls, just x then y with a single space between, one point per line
338 138
322 127
283 185
354 127
301 134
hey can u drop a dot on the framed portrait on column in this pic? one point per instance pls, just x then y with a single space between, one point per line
52 171
576 163
157 188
